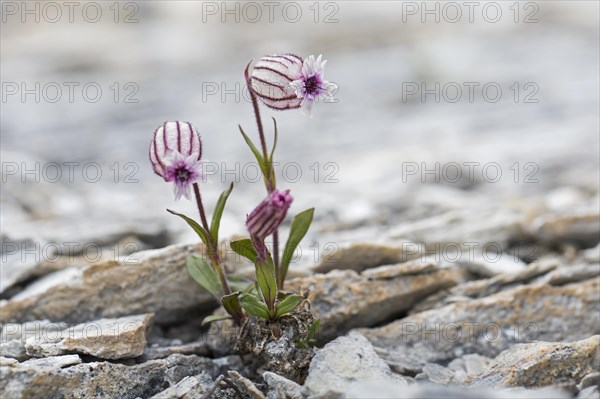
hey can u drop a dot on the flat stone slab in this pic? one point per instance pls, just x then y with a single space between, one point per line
120 338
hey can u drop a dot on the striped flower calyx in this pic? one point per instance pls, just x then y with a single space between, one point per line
268 215
175 153
271 81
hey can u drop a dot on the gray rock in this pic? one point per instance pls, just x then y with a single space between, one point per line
250 391
437 373
343 361
192 387
151 281
29 380
490 325
592 379
481 288
363 255
475 363
581 228
589 393
200 348
281 388
541 364
20 258
343 299
53 362
423 390
14 349
120 338
570 274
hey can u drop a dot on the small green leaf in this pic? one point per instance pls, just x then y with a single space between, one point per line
215 317
238 283
232 305
202 233
298 230
218 213
265 277
245 248
312 332
281 295
288 304
257 155
255 306
204 274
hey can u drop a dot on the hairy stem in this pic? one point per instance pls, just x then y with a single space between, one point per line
212 247
269 182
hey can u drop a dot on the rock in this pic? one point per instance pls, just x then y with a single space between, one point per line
364 255
192 387
589 393
481 288
592 379
424 390
343 361
14 349
114 289
490 325
105 338
592 255
343 299
245 385
281 388
199 348
54 361
20 258
582 229
498 227
491 265
541 364
570 274
99 379
475 363
14 335
437 373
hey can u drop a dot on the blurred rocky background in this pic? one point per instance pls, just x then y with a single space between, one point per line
455 177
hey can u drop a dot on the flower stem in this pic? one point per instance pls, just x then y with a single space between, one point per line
269 182
211 245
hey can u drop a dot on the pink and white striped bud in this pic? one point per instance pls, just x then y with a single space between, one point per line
271 78
175 153
268 215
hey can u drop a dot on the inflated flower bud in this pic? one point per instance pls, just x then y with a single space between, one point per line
268 215
175 153
271 78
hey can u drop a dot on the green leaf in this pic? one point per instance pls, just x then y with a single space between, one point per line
281 295
202 233
215 317
232 305
298 230
265 277
255 306
238 283
288 304
218 212
312 332
257 155
204 274
245 248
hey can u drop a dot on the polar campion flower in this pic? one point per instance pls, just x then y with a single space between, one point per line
175 154
271 78
268 215
311 84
